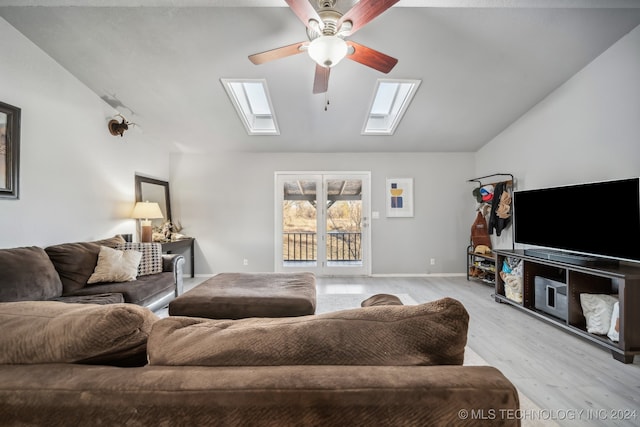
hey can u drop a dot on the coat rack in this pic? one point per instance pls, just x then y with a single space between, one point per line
480 184
509 182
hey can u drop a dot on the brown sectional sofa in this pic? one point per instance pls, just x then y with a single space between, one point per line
387 365
60 273
279 396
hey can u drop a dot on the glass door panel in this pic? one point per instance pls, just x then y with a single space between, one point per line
299 223
344 222
320 225
346 225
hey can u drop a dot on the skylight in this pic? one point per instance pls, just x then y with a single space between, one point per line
250 98
390 101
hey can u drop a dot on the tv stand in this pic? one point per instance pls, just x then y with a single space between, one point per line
622 279
570 258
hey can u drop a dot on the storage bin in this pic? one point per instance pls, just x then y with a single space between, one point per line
551 297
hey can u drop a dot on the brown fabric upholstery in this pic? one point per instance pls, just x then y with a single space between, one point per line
75 262
273 396
381 299
433 333
93 299
241 295
61 272
56 332
27 274
62 394
141 291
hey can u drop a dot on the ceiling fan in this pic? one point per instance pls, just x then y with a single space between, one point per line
326 30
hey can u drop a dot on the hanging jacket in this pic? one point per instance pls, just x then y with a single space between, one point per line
495 222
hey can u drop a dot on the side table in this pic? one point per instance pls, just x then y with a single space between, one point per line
178 245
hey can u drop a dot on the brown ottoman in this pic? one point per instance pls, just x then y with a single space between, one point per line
240 295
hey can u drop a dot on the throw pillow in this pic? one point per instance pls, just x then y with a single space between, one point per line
115 266
433 333
58 332
597 310
381 299
151 262
614 328
75 262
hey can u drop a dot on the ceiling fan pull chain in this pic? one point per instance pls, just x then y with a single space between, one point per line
326 100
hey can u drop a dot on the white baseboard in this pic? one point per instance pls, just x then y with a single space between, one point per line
188 276
420 275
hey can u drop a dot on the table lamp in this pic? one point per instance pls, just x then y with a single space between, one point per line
146 211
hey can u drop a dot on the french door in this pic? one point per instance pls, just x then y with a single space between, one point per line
322 222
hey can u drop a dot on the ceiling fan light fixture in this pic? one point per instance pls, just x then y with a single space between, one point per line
327 51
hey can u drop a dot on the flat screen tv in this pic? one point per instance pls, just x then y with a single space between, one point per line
599 219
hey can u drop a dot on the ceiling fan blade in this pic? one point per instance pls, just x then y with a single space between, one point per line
305 12
363 12
371 58
321 80
280 52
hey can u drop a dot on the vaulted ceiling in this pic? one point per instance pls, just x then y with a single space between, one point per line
159 63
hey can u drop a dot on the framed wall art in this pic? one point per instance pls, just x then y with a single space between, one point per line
9 151
399 197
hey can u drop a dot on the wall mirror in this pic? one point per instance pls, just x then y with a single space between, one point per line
9 150
154 190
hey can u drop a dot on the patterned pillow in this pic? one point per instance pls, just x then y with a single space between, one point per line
597 310
151 262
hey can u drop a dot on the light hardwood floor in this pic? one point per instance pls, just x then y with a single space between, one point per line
574 382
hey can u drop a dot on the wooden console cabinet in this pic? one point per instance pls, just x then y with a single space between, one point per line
623 280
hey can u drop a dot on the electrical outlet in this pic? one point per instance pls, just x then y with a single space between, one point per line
433 261
245 262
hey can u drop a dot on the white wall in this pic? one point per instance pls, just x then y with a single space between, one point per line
586 130
227 203
76 180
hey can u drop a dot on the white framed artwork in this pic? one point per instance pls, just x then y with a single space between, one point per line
399 197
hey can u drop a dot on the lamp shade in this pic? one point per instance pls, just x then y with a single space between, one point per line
146 210
327 51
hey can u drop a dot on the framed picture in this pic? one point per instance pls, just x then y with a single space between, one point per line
399 197
9 150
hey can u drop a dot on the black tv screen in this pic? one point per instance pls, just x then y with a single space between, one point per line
600 218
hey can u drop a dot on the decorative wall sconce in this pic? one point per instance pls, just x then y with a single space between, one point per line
117 128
